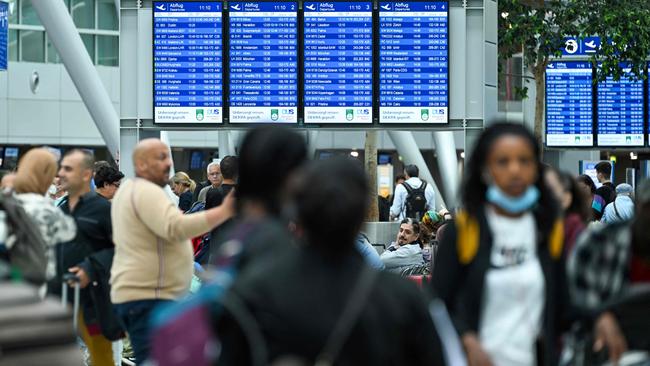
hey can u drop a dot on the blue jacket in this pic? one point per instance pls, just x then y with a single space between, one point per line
368 252
624 210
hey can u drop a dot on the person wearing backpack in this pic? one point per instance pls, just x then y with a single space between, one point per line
413 198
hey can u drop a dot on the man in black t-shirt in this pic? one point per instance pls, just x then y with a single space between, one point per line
229 172
606 193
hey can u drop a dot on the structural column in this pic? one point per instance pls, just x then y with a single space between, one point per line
448 164
65 37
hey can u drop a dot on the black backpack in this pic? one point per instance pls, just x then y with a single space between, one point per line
416 201
27 255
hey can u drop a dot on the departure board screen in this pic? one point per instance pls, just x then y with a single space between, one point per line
413 62
263 55
620 111
569 104
187 62
338 62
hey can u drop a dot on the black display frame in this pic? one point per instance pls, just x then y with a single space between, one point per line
593 109
225 76
378 101
223 69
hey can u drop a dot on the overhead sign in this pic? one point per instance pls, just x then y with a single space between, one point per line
263 55
187 62
338 62
574 46
569 108
4 29
413 62
620 111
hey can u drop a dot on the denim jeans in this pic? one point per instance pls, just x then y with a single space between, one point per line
134 316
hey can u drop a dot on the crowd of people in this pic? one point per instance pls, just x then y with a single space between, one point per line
533 268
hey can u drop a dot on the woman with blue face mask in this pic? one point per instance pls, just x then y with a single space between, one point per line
500 268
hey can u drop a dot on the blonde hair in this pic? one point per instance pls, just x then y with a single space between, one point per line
184 179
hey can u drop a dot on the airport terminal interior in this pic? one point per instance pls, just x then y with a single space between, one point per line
293 182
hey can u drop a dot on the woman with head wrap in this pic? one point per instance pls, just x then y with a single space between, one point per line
36 170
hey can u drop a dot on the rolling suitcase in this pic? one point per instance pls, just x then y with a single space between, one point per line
35 331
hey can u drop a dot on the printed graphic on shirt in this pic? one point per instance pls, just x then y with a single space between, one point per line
509 256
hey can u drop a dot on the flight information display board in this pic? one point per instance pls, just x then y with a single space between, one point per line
187 62
263 55
338 62
620 111
413 62
569 104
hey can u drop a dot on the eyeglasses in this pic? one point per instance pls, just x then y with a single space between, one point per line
214 174
116 184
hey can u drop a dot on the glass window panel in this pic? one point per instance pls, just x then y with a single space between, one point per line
28 14
13 11
83 13
52 54
108 50
33 48
107 15
89 42
13 45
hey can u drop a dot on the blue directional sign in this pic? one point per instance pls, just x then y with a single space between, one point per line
620 111
187 62
338 62
586 46
4 29
569 104
413 62
263 56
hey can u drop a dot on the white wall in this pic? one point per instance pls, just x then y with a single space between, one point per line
55 114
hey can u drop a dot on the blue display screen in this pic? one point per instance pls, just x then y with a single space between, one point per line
187 62
569 104
263 58
4 38
338 62
413 62
620 111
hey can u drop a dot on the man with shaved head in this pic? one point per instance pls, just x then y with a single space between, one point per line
153 255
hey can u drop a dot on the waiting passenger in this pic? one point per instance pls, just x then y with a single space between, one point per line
183 186
36 171
622 208
390 323
153 255
107 181
575 204
500 268
413 198
406 251
608 260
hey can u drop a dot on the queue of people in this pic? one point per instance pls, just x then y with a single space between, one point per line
272 244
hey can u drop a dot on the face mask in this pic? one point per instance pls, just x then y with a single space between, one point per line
513 205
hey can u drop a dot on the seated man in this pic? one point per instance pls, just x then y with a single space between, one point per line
406 251
607 261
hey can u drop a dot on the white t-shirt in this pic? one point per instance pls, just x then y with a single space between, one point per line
513 294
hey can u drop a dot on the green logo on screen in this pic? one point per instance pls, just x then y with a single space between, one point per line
274 115
349 114
424 114
199 114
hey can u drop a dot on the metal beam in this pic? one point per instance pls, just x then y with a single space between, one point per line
66 39
448 165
